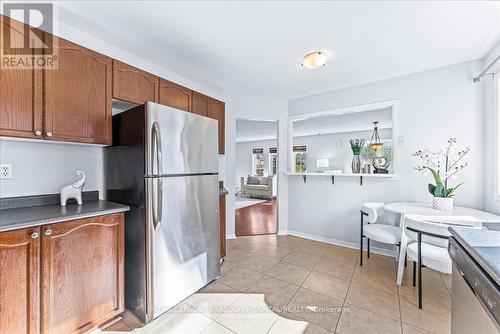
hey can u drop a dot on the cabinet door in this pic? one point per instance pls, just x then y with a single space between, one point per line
200 104
174 95
82 273
222 213
78 96
216 110
20 92
19 281
133 85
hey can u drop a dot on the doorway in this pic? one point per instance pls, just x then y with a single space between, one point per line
256 171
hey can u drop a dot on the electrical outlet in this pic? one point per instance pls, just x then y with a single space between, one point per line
5 171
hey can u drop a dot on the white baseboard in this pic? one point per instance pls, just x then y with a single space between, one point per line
282 232
342 243
231 236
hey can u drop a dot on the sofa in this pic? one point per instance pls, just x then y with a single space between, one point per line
257 186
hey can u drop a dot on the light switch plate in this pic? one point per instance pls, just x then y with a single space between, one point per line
5 171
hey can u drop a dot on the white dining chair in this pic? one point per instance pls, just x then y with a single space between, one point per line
428 246
384 233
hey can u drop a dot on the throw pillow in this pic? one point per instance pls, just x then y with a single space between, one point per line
263 181
252 180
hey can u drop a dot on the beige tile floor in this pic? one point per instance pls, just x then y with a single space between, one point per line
292 285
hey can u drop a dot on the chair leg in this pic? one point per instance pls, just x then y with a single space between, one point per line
414 273
399 245
368 246
420 271
361 242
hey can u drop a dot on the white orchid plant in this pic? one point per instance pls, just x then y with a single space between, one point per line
443 165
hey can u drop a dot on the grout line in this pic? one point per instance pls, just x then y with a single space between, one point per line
442 279
400 312
421 329
278 316
345 297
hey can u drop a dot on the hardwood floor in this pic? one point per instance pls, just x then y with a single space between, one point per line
256 219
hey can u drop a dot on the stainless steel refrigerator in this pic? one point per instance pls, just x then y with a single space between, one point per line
163 164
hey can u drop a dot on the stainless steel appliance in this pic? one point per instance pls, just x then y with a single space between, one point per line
475 296
163 164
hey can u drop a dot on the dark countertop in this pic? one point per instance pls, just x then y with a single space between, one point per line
22 217
483 246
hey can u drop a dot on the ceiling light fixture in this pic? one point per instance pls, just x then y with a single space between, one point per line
314 60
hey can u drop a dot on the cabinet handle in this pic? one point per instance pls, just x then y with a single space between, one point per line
34 235
38 133
49 134
48 231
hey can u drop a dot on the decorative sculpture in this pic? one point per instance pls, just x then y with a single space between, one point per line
73 190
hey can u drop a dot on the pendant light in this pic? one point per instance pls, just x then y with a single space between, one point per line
375 141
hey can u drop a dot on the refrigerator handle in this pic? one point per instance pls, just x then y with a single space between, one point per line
156 139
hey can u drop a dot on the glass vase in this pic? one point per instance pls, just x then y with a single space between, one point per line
356 164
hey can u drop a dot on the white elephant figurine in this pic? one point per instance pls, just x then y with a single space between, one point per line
73 190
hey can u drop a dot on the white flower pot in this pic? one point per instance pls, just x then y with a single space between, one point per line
442 203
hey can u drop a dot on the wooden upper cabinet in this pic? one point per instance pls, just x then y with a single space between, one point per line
20 92
200 104
174 95
19 281
78 96
82 273
133 85
216 110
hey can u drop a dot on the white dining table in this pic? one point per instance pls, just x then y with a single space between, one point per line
460 214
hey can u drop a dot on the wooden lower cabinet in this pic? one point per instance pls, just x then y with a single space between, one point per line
222 213
66 278
19 281
82 273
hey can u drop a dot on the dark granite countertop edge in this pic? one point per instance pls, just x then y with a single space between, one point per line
484 263
116 208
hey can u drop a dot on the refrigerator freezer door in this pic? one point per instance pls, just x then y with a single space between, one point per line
188 142
185 247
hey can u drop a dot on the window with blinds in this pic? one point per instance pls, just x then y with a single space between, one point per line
258 161
300 158
273 160
297 148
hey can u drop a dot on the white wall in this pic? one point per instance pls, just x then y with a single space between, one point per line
434 105
490 121
43 168
247 106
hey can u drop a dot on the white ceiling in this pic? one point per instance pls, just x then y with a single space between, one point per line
257 46
253 130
